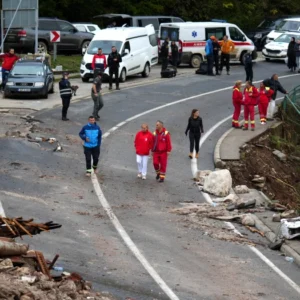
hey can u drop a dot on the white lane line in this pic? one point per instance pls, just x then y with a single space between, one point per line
128 241
2 212
108 209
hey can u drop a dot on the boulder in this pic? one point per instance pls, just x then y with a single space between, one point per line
241 189
218 183
280 155
248 220
202 175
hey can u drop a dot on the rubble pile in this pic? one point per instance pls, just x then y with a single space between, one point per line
26 274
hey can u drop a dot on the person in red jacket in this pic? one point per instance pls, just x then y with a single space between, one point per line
162 147
251 96
237 99
9 60
99 61
265 96
143 144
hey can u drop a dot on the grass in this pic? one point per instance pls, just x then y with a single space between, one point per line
69 63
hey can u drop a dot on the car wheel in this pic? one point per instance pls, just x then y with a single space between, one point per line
85 79
42 47
52 89
123 75
196 61
84 47
146 71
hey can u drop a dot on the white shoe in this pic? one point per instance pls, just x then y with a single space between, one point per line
139 175
144 177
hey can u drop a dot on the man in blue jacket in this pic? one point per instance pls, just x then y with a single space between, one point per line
91 134
209 52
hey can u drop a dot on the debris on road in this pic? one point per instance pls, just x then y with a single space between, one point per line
31 119
241 189
290 228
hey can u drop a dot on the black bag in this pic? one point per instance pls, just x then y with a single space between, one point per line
168 73
203 69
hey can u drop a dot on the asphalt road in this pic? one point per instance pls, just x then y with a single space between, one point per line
50 185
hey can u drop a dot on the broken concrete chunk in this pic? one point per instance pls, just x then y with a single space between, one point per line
259 179
289 214
231 198
218 183
241 189
248 220
6 264
280 155
276 218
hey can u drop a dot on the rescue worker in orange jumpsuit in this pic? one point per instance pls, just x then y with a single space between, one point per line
162 147
237 100
251 97
265 96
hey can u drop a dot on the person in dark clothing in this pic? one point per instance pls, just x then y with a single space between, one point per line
248 66
195 128
217 48
164 52
297 52
114 60
96 94
209 52
275 85
175 55
65 90
91 134
291 53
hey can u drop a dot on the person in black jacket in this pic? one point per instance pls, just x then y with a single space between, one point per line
114 60
195 128
275 85
291 54
164 52
175 55
216 51
65 90
248 66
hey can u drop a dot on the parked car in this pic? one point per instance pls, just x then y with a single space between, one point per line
72 40
286 25
87 27
277 49
30 77
137 46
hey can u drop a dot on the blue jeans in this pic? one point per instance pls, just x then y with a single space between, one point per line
4 77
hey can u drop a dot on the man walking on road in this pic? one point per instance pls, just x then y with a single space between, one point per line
91 134
65 90
209 52
143 144
227 46
162 147
114 60
96 94
9 60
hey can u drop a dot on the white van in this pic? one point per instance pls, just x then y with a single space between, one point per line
191 38
286 26
137 46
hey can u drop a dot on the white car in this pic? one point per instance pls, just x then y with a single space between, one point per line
278 48
87 27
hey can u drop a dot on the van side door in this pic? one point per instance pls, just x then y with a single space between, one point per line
127 58
238 38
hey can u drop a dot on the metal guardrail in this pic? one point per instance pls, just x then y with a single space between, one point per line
291 106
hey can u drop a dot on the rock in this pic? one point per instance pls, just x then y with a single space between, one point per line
6 264
4 111
231 198
259 186
25 297
296 158
241 189
276 218
280 155
259 179
248 220
13 133
218 183
202 175
220 164
69 288
289 214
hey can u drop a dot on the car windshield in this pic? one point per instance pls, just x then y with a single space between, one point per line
105 45
289 25
286 38
268 23
36 70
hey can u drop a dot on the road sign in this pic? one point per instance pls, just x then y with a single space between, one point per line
54 36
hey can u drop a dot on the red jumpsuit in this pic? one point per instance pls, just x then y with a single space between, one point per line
251 95
161 146
237 99
265 95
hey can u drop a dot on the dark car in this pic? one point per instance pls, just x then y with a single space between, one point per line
71 39
30 77
259 35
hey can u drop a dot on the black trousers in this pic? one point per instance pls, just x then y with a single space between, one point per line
216 60
65 105
194 141
164 63
111 73
210 64
89 154
225 58
175 63
249 73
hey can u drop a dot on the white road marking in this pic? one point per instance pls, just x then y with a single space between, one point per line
126 238
2 212
22 196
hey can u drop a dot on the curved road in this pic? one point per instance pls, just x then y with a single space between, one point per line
193 265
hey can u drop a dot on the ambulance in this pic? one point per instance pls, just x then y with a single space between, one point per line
191 38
